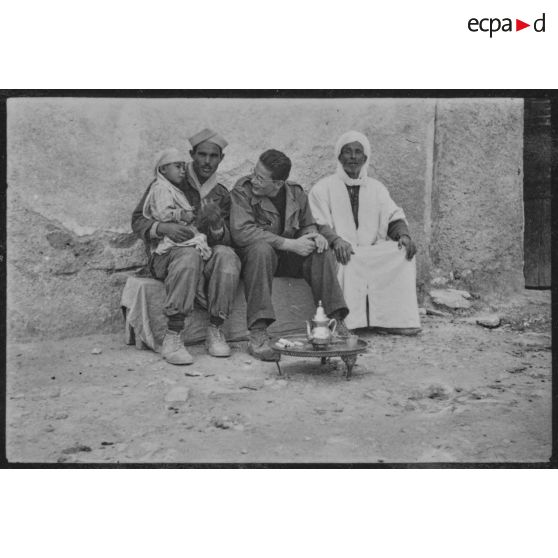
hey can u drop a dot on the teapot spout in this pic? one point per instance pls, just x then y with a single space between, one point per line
309 331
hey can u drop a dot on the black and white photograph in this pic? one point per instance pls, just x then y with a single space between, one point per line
278 278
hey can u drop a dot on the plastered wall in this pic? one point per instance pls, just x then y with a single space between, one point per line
77 167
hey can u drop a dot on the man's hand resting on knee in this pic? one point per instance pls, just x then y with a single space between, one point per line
410 247
302 246
319 241
175 231
343 250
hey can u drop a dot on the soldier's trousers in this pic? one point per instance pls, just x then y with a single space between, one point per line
187 278
261 262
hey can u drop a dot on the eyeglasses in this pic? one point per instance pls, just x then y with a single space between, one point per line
264 181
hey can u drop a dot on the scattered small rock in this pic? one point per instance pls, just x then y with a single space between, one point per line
192 373
76 449
422 311
516 370
497 387
56 416
96 351
438 391
491 321
452 298
433 391
432 312
49 428
177 394
223 423
107 443
479 394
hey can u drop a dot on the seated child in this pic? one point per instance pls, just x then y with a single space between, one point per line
165 202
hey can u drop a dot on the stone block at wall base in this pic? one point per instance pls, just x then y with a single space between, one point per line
143 298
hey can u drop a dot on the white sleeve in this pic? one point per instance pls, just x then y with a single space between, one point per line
319 205
160 205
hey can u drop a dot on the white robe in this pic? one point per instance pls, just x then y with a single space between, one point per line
378 269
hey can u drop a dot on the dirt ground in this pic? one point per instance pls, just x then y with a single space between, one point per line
457 392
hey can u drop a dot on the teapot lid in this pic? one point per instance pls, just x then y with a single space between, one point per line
320 313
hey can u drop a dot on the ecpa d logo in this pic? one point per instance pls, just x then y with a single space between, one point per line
492 25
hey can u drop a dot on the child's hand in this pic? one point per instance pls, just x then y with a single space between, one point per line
187 215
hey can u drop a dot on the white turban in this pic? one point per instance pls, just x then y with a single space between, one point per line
350 137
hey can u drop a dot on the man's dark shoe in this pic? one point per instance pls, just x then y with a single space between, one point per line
259 347
342 331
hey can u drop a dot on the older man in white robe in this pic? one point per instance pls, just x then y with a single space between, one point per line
370 237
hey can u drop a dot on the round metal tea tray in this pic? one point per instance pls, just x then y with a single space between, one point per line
336 348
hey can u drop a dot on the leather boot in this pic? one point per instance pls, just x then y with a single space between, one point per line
216 343
259 347
173 350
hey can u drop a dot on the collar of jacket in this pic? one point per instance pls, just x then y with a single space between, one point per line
268 205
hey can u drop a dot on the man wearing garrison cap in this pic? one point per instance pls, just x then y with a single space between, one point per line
187 277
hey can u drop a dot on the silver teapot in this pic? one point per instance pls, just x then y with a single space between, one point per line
319 329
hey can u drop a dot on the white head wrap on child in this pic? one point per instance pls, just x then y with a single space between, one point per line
170 155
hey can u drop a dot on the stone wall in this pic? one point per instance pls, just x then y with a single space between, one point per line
77 167
477 194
